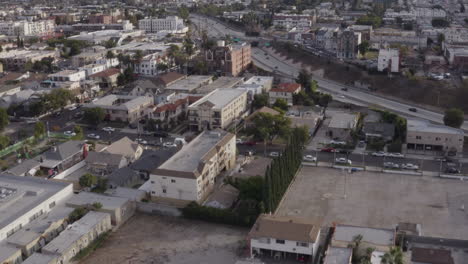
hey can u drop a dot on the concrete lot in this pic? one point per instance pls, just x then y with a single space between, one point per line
379 200
158 239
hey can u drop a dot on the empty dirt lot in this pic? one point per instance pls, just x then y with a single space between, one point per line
157 239
380 200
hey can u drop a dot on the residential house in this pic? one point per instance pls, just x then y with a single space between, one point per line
229 60
285 91
168 114
27 167
425 137
289 21
223 198
106 78
126 147
151 160
191 173
286 237
124 177
104 163
217 109
62 157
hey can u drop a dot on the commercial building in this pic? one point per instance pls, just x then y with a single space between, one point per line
389 60
229 60
190 174
173 24
286 237
189 84
217 109
26 28
284 91
97 37
290 21
23 199
422 136
122 108
125 25
16 59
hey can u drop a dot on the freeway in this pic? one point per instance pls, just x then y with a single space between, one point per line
266 59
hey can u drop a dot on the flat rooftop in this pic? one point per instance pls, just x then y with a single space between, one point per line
417 125
377 236
190 83
262 80
145 46
379 200
220 83
220 97
87 198
338 255
342 120
189 157
38 258
119 101
19 195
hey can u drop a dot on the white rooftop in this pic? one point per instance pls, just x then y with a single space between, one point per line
262 80
377 236
190 83
417 125
121 102
220 97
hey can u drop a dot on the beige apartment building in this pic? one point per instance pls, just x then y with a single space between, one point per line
217 109
424 137
123 108
231 59
190 174
285 91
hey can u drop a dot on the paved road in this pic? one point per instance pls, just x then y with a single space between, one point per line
272 63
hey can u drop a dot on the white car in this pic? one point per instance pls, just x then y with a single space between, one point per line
410 166
396 155
93 136
391 165
310 158
379 154
69 133
108 129
169 145
141 141
343 161
239 141
274 154
72 108
337 142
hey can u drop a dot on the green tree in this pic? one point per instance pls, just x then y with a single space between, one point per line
184 12
260 100
267 126
304 78
110 54
94 116
281 104
77 214
3 119
97 205
325 99
4 141
39 130
394 256
79 133
88 180
441 38
454 117
363 47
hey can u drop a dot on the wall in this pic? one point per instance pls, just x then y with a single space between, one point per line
182 188
288 246
157 209
70 170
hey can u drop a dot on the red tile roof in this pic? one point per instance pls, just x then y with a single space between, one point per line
287 87
171 106
106 73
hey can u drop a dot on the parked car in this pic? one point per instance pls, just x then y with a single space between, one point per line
69 133
141 141
250 143
410 166
412 109
162 134
343 161
335 142
57 114
310 158
169 145
391 165
396 155
452 170
329 150
379 154
239 141
108 129
274 154
93 136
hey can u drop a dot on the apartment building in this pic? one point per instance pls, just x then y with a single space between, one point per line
148 65
229 60
290 21
89 57
173 24
284 91
290 238
101 19
122 108
26 28
190 174
389 60
217 109
425 137
68 76
91 69
124 25
347 42
16 59
171 111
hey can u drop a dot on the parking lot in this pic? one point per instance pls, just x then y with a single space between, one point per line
379 200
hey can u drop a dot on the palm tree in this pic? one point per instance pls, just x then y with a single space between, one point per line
394 256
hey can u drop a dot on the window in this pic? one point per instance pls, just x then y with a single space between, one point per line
302 244
172 180
279 241
164 190
418 137
152 182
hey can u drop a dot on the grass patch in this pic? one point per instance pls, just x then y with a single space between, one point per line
97 243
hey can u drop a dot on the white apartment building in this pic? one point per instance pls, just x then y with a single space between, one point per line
23 199
191 173
91 69
218 109
148 65
266 82
291 237
26 28
389 59
422 136
172 24
68 76
290 21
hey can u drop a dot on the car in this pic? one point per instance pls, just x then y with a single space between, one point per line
343 161
72 108
32 121
141 141
69 133
396 155
334 142
391 165
108 129
342 96
452 170
169 145
239 141
379 154
409 166
250 153
310 158
412 109
344 89
162 134
328 150
93 136
274 154
250 143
